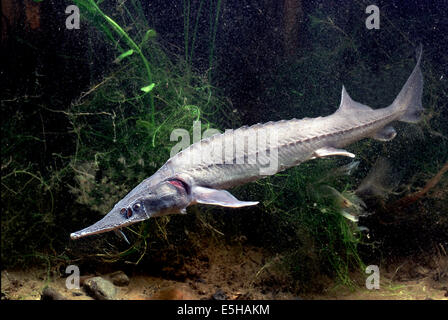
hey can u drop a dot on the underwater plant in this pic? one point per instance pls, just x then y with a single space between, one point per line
191 36
119 139
119 131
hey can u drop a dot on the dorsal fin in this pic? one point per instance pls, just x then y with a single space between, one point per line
349 105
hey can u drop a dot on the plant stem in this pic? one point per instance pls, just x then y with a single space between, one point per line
213 30
186 5
195 29
135 47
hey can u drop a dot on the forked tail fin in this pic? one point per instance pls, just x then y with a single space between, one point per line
409 99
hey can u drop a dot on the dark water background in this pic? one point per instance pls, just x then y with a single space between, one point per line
262 76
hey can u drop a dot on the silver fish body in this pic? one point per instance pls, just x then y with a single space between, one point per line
296 141
201 172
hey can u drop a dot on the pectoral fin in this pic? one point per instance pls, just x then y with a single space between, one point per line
330 151
218 198
349 216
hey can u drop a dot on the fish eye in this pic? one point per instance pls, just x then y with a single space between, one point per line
136 207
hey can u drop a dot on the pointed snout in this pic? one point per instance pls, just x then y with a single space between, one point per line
112 221
101 226
104 225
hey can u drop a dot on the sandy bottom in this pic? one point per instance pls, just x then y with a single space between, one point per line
240 273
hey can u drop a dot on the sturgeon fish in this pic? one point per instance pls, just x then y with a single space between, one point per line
226 160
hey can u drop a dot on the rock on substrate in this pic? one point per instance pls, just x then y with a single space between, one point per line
51 294
174 293
100 288
120 279
219 295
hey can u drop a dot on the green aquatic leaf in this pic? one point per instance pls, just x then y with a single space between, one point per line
148 88
297 92
124 55
151 33
195 111
144 124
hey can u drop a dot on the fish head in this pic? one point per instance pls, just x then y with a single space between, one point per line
142 203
